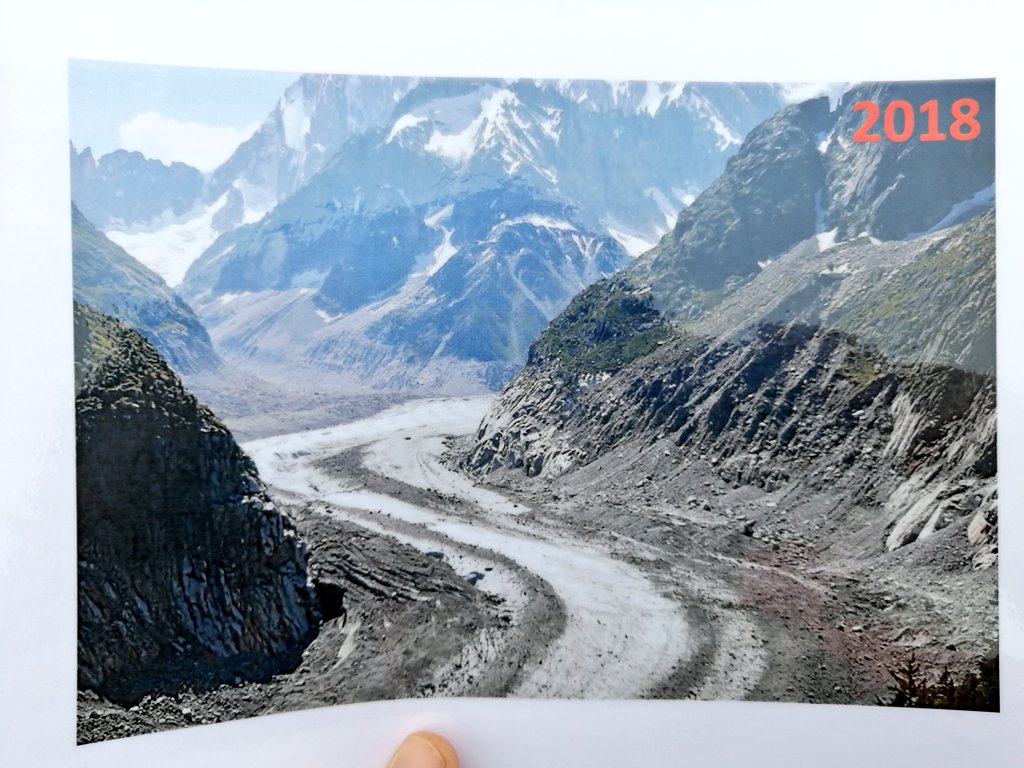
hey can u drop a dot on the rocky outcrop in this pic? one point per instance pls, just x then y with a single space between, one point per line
765 202
894 190
188 574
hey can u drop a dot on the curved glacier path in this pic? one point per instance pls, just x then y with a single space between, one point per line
622 636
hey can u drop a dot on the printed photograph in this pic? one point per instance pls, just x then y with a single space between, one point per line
402 387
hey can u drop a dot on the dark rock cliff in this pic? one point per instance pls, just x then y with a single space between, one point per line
188 574
892 189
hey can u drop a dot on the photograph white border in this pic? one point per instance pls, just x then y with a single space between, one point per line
640 39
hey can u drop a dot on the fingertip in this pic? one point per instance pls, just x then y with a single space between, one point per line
424 749
443 746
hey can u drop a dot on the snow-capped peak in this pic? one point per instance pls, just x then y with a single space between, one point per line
658 95
457 140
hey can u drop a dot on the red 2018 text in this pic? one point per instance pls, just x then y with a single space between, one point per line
898 121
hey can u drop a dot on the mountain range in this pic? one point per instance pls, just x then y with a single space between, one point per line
422 212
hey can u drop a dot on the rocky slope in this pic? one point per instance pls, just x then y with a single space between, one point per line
795 389
109 280
787 355
188 574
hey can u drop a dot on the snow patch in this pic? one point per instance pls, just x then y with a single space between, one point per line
550 126
728 138
294 120
702 107
981 200
257 200
793 93
668 210
325 316
826 240
227 298
541 222
252 215
631 244
619 91
442 253
170 250
481 131
659 95
437 217
684 197
440 256
402 123
652 99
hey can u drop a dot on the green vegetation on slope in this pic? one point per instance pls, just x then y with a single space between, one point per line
604 329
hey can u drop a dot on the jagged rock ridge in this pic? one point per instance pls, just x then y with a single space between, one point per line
312 120
188 574
123 188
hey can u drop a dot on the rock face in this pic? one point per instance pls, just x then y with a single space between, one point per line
312 120
763 204
800 174
188 574
763 337
109 280
895 190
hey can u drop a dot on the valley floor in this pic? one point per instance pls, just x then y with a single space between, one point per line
639 576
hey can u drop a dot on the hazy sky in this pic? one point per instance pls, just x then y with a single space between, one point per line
197 116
